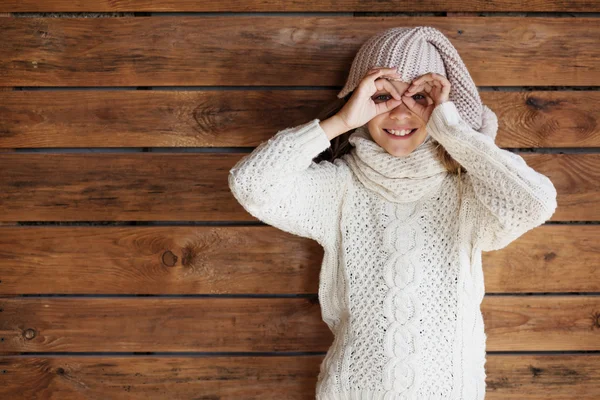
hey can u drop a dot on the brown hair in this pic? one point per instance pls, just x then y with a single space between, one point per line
340 145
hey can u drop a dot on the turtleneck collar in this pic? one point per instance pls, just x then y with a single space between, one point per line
398 179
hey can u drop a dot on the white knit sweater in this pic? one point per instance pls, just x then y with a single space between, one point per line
401 281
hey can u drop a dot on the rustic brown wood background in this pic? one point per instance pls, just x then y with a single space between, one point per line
129 271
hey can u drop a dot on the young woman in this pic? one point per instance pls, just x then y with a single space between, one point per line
403 208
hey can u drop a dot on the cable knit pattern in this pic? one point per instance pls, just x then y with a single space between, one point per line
401 303
401 281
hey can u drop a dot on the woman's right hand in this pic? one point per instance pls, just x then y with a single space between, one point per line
361 108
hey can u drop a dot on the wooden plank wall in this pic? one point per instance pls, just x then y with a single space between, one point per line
129 271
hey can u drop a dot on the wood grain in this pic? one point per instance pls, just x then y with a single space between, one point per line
194 187
254 288
322 6
251 261
283 51
245 118
512 323
157 260
509 377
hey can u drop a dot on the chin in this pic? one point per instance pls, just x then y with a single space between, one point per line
400 147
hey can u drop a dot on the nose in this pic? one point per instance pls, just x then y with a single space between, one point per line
401 110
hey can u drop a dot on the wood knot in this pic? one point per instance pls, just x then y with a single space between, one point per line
60 371
595 319
541 104
29 334
549 256
209 115
535 371
169 259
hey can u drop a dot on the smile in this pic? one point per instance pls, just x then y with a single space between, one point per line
397 136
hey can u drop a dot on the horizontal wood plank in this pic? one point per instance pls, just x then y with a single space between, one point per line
276 6
281 51
509 377
194 187
157 260
236 118
159 378
251 260
512 323
549 258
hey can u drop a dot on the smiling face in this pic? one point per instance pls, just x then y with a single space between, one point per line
397 119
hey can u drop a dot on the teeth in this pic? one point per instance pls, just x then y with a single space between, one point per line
403 132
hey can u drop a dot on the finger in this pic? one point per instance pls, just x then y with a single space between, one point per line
440 78
423 78
391 89
426 77
387 87
375 73
388 105
371 72
445 88
409 101
378 74
380 84
424 88
441 87
433 78
428 86
434 94
436 88
389 73
414 88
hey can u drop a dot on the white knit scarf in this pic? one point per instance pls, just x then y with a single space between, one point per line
398 179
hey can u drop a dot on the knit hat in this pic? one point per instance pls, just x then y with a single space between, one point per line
416 51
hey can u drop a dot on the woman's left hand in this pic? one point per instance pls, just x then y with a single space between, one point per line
437 88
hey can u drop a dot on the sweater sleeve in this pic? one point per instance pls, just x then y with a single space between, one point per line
279 183
510 198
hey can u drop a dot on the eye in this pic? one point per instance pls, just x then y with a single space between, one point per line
417 97
378 97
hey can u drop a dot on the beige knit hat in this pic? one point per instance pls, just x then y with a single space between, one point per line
416 51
